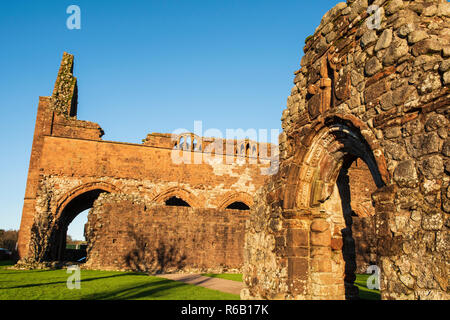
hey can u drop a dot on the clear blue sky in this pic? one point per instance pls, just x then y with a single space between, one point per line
147 66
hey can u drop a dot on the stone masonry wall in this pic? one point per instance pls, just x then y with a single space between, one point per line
126 232
380 94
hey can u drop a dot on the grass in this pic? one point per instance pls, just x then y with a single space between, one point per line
98 285
227 276
361 280
110 285
364 292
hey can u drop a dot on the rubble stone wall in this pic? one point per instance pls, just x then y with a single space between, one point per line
376 94
130 233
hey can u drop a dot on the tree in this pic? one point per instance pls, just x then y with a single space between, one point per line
8 239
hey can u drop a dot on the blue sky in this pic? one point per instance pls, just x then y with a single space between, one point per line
147 66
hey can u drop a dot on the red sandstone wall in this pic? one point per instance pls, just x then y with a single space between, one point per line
209 239
361 189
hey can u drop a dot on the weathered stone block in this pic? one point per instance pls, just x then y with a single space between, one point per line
319 225
298 268
405 174
322 239
297 237
373 66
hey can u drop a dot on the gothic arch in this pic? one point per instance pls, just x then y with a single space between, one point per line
320 173
320 156
67 208
179 192
231 197
79 190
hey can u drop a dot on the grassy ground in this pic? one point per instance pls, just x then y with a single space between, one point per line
364 292
52 285
99 285
361 280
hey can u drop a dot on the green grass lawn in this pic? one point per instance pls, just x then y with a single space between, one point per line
364 292
361 280
100 285
51 285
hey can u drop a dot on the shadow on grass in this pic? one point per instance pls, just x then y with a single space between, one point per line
368 295
153 289
199 279
17 271
60 282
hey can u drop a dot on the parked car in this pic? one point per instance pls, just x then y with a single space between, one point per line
5 254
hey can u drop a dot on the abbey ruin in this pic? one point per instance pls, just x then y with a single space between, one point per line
362 173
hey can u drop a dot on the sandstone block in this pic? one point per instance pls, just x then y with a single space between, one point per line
369 37
322 239
397 49
384 41
373 66
432 167
416 36
319 225
405 174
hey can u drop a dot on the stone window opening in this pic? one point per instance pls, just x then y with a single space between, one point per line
194 144
238 205
181 143
176 202
187 145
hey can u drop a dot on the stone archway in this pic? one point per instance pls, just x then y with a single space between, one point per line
312 245
322 226
180 193
233 197
50 230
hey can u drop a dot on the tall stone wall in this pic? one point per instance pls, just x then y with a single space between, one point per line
380 94
126 232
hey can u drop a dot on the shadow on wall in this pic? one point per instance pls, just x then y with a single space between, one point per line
150 257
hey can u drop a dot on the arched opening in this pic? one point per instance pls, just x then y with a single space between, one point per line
322 195
188 143
176 202
76 243
195 145
78 204
238 205
355 185
348 166
182 144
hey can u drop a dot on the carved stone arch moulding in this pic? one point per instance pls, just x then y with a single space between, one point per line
79 190
319 157
179 192
231 197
